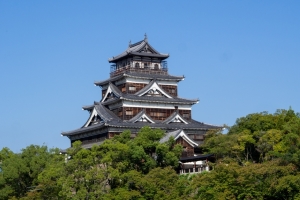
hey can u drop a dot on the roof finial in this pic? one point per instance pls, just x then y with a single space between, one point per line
146 38
129 43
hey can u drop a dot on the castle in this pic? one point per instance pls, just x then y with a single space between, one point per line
140 92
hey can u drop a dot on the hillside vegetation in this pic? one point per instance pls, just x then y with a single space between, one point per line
257 159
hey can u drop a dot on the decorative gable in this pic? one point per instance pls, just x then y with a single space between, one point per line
110 94
179 135
144 118
93 119
186 138
175 118
153 90
146 49
141 117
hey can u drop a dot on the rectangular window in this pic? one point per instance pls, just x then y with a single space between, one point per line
132 88
129 112
157 114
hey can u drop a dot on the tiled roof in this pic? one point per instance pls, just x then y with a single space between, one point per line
139 115
135 49
193 125
139 75
83 129
153 83
111 120
169 134
89 107
172 116
133 97
106 114
176 134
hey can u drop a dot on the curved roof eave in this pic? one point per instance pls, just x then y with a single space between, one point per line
133 49
142 76
82 130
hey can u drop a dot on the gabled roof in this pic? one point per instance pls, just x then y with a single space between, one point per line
141 76
84 129
106 114
192 125
154 87
112 89
90 107
141 48
132 97
177 134
176 118
92 115
141 117
118 123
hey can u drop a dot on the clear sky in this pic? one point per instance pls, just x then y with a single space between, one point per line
238 57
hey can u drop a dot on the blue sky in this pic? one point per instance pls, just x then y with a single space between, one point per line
238 57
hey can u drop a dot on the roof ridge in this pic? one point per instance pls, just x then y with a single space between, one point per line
172 116
144 89
135 44
100 109
115 89
150 85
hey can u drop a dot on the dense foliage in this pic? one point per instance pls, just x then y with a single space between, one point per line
257 159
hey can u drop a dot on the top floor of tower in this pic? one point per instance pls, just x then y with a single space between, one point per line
139 57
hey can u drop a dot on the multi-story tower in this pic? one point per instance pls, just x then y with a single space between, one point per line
140 92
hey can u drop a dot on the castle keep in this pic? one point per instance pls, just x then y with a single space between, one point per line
140 92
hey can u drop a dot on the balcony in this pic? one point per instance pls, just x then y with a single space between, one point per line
161 69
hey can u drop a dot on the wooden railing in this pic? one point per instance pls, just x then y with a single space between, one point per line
128 68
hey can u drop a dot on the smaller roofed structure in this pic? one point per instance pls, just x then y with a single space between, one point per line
139 57
141 49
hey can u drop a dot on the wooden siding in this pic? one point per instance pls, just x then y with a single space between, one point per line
170 89
126 113
132 88
188 150
186 114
